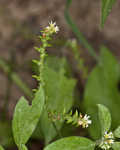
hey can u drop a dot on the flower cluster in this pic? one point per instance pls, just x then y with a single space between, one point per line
45 38
84 121
107 141
52 28
75 119
78 119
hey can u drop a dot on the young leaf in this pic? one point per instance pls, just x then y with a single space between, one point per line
106 9
72 143
104 118
1 148
116 146
117 132
26 117
102 88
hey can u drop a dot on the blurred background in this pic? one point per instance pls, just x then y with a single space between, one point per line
21 22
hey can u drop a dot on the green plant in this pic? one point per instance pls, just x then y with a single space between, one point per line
51 107
107 139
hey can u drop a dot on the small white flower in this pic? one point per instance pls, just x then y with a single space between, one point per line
105 146
107 141
84 121
52 28
80 122
56 29
108 135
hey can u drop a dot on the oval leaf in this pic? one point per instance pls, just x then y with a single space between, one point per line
1 148
26 117
104 118
102 88
106 9
116 146
117 132
72 143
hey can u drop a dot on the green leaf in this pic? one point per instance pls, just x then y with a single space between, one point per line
1 148
26 117
102 88
116 146
104 118
106 9
117 132
72 143
59 95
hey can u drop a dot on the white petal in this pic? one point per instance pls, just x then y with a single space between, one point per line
89 121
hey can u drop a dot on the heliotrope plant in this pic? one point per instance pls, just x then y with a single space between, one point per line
26 117
108 139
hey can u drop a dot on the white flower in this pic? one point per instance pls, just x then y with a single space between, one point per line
105 145
108 135
107 141
84 121
52 28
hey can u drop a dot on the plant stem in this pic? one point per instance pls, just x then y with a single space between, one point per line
79 35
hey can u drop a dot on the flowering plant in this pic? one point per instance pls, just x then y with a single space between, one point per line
50 114
26 117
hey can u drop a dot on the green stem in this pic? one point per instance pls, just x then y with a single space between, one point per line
79 35
42 58
42 51
15 78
